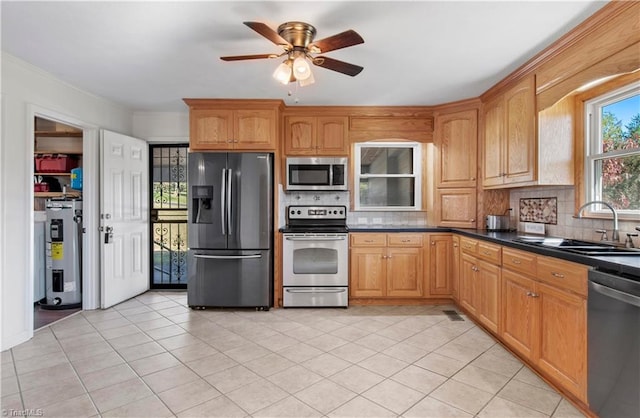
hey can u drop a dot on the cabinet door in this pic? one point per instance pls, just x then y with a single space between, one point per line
210 129
562 345
492 165
404 272
468 285
456 207
520 140
255 130
456 139
440 263
332 136
300 135
368 272
519 312
455 268
489 295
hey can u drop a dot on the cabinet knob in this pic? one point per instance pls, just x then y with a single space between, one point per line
384 256
516 261
472 179
533 295
455 245
558 275
472 220
433 243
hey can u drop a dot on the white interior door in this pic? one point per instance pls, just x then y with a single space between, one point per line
124 219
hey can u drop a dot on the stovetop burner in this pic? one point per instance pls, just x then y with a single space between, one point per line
317 219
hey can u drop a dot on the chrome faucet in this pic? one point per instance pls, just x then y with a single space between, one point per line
615 235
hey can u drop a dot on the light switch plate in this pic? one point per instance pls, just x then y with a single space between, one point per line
534 228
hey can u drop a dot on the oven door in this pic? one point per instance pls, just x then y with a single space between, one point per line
315 260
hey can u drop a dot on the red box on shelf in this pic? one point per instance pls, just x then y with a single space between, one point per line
54 163
40 187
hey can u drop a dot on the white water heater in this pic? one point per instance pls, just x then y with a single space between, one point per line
63 258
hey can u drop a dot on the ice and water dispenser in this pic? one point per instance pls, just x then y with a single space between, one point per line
63 254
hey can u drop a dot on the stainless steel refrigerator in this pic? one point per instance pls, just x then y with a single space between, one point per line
230 230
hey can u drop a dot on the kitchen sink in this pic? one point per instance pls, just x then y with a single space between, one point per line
600 251
578 246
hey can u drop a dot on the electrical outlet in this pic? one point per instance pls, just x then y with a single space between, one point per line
534 228
362 220
377 221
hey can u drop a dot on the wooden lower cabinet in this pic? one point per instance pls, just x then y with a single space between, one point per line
455 267
440 262
519 313
489 294
480 290
468 292
368 276
404 272
386 265
535 304
547 324
563 338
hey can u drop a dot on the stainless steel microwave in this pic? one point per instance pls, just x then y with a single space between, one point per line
317 173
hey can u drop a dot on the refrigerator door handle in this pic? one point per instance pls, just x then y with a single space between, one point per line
228 257
222 204
229 208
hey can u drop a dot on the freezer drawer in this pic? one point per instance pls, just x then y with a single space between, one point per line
315 297
230 279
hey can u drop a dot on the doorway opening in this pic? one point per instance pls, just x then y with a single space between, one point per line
57 261
168 203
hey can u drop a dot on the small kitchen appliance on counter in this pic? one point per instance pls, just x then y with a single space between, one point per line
315 257
499 222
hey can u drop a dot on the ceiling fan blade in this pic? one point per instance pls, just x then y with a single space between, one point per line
249 57
341 40
268 33
339 66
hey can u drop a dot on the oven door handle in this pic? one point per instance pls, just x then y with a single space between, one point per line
315 291
616 294
228 257
315 238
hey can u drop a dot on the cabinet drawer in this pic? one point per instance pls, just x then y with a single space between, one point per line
469 246
369 240
404 240
490 252
563 274
520 261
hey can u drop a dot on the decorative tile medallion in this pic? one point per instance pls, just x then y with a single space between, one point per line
541 210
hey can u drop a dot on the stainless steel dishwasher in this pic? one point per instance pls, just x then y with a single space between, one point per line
614 344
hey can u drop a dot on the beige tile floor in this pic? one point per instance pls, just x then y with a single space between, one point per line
152 356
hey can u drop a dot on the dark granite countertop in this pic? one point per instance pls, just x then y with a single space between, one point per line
616 264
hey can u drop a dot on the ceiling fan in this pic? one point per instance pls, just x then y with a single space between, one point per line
296 38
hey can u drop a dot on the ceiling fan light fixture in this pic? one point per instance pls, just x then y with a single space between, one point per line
283 72
301 68
307 81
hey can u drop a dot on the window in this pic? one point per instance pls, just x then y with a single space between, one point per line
387 176
612 160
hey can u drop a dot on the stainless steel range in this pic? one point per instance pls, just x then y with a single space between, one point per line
316 257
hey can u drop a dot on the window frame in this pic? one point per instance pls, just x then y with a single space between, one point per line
592 114
416 175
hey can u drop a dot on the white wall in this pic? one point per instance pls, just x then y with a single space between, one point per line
162 127
24 88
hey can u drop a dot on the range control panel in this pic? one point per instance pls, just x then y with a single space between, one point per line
317 212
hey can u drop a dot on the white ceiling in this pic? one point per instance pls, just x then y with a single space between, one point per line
150 55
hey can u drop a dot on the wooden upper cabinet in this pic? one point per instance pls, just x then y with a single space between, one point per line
255 129
509 143
456 139
456 207
210 129
321 135
520 133
233 124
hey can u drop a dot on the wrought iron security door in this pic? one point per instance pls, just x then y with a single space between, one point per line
169 216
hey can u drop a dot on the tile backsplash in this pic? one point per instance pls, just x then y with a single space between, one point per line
567 225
